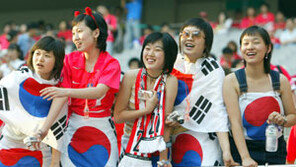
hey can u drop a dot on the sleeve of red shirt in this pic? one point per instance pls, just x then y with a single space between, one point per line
111 75
66 74
291 145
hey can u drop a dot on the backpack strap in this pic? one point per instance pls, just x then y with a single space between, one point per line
241 78
279 69
275 79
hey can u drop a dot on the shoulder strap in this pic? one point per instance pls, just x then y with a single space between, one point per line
275 79
241 78
279 68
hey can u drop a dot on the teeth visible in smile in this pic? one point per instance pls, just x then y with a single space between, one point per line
150 60
189 45
251 54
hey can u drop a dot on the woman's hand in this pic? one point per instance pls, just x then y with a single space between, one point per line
151 103
171 123
164 163
52 92
276 118
33 143
249 162
228 160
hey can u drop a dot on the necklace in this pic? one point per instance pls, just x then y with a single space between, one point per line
152 76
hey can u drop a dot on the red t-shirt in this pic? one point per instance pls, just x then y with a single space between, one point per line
279 25
106 71
111 20
67 35
3 42
291 145
247 22
264 19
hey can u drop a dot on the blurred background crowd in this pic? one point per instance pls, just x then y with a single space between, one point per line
130 21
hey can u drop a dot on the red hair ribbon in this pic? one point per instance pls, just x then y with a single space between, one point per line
87 12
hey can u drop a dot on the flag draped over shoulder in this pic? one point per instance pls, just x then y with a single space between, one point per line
22 107
200 91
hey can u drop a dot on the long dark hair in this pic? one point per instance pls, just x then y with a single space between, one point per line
255 30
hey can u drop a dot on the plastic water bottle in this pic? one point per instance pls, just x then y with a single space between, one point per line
271 134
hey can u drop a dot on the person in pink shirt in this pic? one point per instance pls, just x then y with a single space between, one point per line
249 20
3 40
91 77
111 21
265 18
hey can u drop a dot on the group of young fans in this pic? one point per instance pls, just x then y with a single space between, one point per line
179 109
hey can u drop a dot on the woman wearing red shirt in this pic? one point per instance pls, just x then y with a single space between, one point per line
91 77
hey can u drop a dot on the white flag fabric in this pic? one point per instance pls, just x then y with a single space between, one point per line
200 90
201 149
90 142
22 107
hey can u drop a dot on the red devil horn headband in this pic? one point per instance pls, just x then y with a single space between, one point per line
87 12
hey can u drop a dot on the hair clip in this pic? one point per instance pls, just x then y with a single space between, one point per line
76 13
88 11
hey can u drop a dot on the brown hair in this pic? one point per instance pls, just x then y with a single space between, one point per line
48 44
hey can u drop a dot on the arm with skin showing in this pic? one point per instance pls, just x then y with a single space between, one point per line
121 111
225 146
171 94
83 93
54 110
288 104
55 158
230 96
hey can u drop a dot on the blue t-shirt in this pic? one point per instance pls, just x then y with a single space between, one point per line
134 10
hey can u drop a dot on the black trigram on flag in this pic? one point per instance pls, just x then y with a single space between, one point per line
4 103
208 66
58 128
200 109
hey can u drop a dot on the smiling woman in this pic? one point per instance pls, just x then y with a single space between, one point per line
199 100
256 96
91 77
158 55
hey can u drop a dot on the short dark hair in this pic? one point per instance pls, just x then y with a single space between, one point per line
11 34
169 46
227 50
17 48
256 30
206 28
134 59
88 20
48 44
234 44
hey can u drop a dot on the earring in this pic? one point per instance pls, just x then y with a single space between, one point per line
266 56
